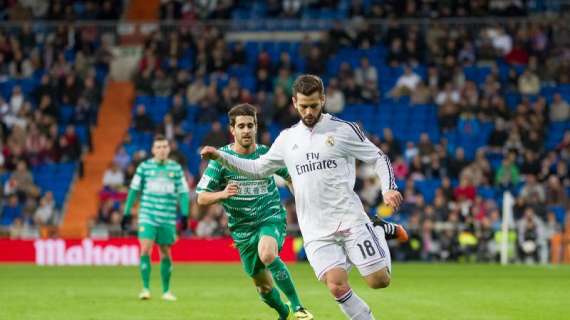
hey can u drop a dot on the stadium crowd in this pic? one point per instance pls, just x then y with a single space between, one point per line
50 86
295 9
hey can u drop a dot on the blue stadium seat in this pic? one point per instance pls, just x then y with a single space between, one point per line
559 212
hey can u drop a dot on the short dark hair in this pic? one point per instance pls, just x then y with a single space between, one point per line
308 84
244 109
159 137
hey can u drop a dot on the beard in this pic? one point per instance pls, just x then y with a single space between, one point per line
245 142
311 121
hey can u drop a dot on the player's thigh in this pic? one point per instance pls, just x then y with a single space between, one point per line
324 255
249 257
378 279
146 246
262 281
364 250
166 235
147 236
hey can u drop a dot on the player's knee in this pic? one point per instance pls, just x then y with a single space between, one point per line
146 251
267 257
338 288
264 288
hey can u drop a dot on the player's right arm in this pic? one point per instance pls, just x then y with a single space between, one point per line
259 168
207 198
208 188
355 144
134 189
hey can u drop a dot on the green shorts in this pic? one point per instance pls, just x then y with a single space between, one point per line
248 250
161 235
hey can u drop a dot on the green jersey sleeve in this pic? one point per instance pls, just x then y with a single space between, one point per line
138 179
181 183
211 180
283 173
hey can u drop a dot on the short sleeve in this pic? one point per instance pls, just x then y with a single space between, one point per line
211 179
181 183
137 181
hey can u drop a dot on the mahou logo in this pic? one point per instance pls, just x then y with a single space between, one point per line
55 252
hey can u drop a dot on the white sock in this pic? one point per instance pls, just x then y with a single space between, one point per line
384 246
354 307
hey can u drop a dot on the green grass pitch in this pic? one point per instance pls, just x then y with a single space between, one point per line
205 291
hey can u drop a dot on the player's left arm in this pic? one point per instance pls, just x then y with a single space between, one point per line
355 144
183 192
259 168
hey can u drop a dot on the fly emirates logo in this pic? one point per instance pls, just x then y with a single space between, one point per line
313 163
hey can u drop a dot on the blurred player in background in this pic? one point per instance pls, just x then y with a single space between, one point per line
163 186
320 153
256 217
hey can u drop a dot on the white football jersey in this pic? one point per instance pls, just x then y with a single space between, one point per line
321 162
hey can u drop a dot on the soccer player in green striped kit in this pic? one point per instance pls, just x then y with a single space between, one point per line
162 184
256 217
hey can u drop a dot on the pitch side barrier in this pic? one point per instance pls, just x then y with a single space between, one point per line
120 251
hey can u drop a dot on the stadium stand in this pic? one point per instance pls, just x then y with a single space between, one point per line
50 90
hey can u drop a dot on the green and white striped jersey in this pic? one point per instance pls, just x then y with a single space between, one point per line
161 185
258 200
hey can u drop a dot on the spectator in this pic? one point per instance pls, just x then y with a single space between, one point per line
529 84
425 146
365 73
531 241
216 137
391 145
421 95
178 111
352 92
457 164
196 92
406 83
449 93
114 178
335 97
533 188
162 84
208 224
142 122
11 211
122 158
45 214
555 193
24 180
559 109
284 81
508 174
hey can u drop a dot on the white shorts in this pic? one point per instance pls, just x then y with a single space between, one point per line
362 246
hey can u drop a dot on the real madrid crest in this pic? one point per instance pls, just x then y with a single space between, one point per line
330 141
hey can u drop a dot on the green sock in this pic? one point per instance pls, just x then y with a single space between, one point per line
144 268
165 271
274 301
283 279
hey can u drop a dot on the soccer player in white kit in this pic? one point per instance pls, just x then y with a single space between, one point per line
319 153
